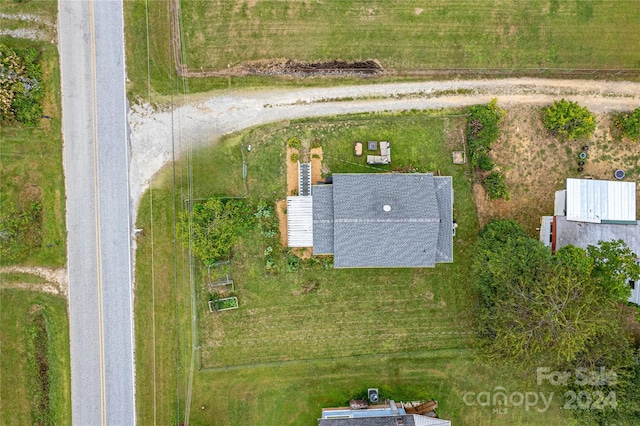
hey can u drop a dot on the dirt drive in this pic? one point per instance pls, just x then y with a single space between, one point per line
205 121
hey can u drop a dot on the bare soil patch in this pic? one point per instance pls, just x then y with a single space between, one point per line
281 207
290 67
57 281
316 165
537 164
292 172
303 252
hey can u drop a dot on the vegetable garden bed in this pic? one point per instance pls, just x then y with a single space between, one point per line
223 304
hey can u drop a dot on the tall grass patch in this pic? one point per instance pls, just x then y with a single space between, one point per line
35 386
32 198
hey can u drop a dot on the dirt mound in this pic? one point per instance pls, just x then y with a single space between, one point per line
289 67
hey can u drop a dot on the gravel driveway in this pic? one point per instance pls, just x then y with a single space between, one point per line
156 136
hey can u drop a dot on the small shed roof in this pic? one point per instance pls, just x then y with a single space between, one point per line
601 201
300 221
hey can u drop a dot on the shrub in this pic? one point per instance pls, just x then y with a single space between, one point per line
293 263
496 186
316 143
629 124
294 143
295 157
569 120
485 163
20 86
315 156
483 129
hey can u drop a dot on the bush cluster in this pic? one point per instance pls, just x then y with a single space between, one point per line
294 142
629 124
21 90
568 120
496 186
213 227
482 131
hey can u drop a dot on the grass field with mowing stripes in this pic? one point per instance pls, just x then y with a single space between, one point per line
415 34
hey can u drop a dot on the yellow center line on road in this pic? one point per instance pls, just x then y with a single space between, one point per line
94 120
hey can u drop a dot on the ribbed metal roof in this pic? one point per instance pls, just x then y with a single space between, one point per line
300 221
601 201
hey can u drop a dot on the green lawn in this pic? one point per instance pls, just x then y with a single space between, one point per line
31 167
34 323
284 354
415 34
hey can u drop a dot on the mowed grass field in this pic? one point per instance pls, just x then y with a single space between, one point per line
284 354
35 384
31 165
415 34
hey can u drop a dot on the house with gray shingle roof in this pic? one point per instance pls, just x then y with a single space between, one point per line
384 220
386 414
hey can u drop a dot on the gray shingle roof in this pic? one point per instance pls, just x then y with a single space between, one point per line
322 219
384 220
444 194
368 421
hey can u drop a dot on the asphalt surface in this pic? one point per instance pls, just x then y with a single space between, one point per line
96 158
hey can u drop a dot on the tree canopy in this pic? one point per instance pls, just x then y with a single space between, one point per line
569 120
212 228
542 308
563 311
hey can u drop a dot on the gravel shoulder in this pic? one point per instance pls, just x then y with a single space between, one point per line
157 137
56 280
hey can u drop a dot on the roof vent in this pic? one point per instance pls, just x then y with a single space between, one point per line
386 208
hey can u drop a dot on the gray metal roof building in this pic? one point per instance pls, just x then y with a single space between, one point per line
601 201
384 220
590 211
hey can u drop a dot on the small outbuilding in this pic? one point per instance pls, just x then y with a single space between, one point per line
590 211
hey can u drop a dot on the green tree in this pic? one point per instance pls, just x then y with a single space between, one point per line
569 120
614 265
629 123
538 309
210 230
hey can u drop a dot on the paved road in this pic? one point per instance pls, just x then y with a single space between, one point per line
96 157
